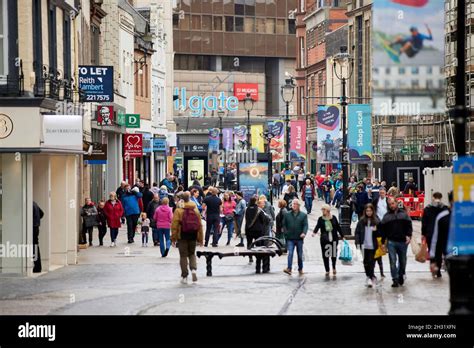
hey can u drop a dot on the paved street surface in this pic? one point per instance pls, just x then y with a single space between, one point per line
138 281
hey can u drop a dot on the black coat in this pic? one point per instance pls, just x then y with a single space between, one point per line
360 233
147 198
289 196
336 230
396 226
37 215
256 229
429 218
150 212
279 220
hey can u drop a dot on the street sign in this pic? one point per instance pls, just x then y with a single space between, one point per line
132 120
96 83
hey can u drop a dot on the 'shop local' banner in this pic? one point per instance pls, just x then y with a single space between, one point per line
360 133
214 134
277 144
298 140
257 138
329 134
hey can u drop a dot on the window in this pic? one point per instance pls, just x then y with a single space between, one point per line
291 26
260 25
401 71
229 23
429 84
52 44
302 5
175 21
429 70
250 7
67 45
387 84
376 70
185 23
302 53
249 24
280 26
37 38
415 70
239 7
387 70
415 84
196 22
218 23
239 24
302 100
3 38
270 26
206 22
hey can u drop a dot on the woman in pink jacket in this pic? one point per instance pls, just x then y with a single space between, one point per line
163 217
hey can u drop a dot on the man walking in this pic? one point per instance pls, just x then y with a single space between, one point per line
381 204
430 213
212 205
439 241
37 216
186 228
295 225
239 216
396 227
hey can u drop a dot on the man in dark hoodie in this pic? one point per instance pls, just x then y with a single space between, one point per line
439 241
430 213
396 227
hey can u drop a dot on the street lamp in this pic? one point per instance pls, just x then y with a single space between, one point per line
248 106
268 136
287 94
344 60
220 114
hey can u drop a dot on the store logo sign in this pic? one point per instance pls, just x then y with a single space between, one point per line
198 104
6 126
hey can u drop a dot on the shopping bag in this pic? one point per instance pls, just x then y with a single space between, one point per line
423 254
415 247
346 253
380 251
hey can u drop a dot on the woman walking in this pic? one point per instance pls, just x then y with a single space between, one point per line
89 220
366 234
330 234
228 206
280 233
113 212
256 219
289 196
163 217
102 222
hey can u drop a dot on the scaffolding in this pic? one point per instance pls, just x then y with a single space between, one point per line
451 64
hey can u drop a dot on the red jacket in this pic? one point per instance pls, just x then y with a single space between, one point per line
113 213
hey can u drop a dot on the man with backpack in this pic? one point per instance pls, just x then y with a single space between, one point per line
186 228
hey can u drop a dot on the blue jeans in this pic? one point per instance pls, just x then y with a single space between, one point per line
155 235
113 233
230 228
290 245
238 228
397 249
308 203
164 237
327 197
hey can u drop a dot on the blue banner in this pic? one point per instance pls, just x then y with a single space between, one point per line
461 227
253 179
359 133
214 134
159 145
96 83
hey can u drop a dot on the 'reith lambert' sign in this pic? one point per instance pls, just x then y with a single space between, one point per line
132 145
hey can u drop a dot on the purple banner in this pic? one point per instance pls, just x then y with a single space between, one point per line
228 138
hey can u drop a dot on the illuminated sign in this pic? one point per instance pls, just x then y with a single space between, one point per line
198 104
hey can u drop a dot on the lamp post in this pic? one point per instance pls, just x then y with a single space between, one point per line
220 114
268 136
344 60
287 94
248 106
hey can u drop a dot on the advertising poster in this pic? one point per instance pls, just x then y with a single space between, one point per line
408 57
359 133
257 138
195 171
214 134
253 179
298 140
241 90
240 136
96 83
461 234
228 138
105 115
277 144
329 134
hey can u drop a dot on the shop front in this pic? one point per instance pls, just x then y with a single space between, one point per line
40 158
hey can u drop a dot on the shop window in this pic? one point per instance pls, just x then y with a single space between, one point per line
239 24
229 23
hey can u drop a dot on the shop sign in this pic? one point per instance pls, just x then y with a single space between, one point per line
62 131
241 90
96 83
159 145
132 120
132 145
98 156
105 115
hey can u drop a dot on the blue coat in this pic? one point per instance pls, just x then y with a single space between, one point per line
130 203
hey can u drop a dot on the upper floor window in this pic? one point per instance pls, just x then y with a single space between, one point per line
3 38
415 70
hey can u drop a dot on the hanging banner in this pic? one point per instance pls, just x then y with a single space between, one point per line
257 138
253 179
105 115
461 227
359 133
277 144
132 146
329 134
410 47
298 140
228 138
214 134
240 135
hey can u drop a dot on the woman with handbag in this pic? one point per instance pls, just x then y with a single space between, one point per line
366 234
256 220
330 234
228 207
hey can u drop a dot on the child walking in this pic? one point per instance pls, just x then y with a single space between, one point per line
144 222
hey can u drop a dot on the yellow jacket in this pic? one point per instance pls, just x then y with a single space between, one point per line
176 223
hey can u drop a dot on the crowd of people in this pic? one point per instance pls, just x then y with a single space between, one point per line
186 218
